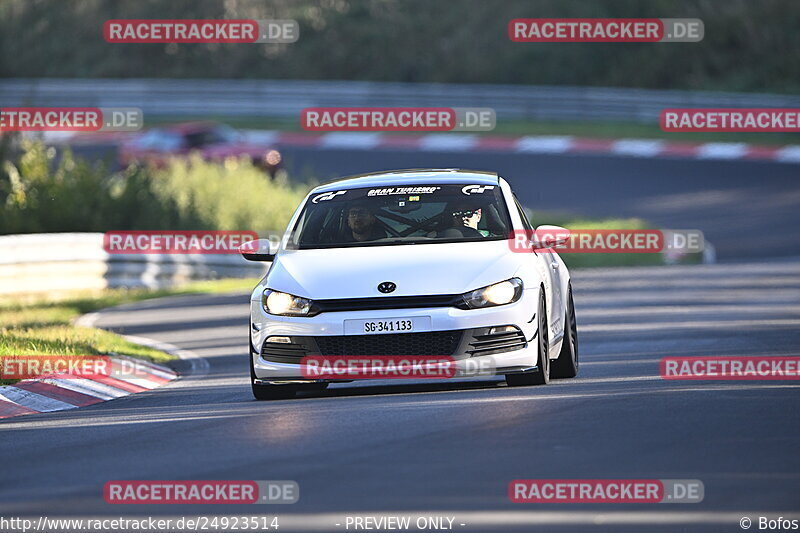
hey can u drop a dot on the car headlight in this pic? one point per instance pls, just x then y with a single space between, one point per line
283 304
502 293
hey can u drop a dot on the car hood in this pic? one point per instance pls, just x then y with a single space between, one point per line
421 269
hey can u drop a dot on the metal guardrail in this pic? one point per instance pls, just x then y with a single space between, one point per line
286 98
50 263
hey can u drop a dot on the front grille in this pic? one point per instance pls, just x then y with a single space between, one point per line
488 344
442 343
457 343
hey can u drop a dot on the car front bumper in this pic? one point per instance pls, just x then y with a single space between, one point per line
324 334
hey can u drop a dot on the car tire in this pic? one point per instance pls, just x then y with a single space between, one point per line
540 376
566 366
268 392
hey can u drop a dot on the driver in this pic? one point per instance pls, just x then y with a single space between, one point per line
465 216
362 224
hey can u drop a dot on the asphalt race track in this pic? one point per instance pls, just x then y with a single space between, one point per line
452 448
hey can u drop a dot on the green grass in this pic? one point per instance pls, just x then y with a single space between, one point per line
30 326
599 130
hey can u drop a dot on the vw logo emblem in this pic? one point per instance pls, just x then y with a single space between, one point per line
387 287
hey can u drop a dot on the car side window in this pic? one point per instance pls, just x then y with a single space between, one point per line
525 222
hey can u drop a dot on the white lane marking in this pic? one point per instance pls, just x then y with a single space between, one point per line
31 400
789 154
544 144
118 419
448 142
621 379
722 151
350 139
637 147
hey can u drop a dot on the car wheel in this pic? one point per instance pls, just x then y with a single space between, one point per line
540 376
566 366
268 392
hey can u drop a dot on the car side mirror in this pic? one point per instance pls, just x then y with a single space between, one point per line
546 236
258 250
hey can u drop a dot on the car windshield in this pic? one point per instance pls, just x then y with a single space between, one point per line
416 214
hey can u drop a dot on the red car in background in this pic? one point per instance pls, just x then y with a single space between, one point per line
214 142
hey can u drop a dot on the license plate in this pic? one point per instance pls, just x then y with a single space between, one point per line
377 326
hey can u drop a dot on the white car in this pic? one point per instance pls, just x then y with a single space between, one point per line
411 263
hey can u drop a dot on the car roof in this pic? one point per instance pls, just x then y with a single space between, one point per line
416 176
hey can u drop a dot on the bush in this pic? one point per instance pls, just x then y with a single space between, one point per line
230 196
41 192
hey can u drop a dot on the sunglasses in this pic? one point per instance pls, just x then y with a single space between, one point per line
467 213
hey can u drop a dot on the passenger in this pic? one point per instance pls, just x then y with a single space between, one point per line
465 218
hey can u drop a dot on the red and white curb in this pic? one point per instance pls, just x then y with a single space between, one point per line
460 142
463 142
44 395
57 394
